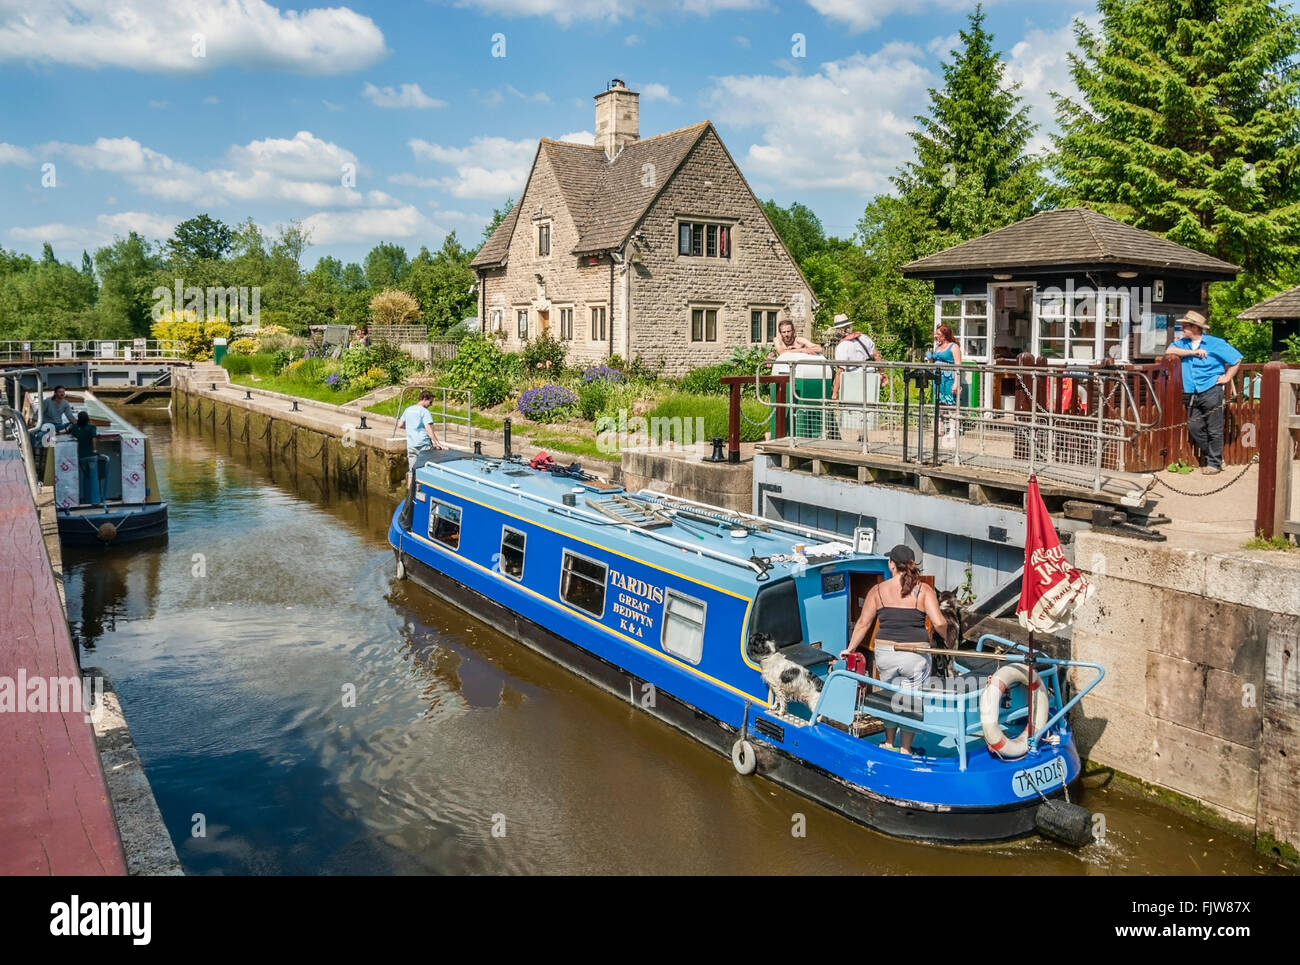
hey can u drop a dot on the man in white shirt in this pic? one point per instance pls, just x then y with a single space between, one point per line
850 383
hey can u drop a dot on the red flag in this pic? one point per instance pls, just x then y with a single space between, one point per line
1051 589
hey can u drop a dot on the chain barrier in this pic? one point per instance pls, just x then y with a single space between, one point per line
1218 489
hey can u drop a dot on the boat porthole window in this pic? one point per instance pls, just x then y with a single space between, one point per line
582 583
444 523
683 632
512 552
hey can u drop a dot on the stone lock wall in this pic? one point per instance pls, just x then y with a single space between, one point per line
1200 695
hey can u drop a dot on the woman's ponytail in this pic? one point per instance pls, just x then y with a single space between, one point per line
909 574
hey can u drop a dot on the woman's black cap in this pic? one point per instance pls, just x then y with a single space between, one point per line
902 554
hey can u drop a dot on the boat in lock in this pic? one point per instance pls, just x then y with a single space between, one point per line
729 628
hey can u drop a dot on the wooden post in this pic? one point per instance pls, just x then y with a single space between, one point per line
1274 453
781 432
733 423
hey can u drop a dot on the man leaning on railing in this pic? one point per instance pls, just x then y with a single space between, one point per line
1209 363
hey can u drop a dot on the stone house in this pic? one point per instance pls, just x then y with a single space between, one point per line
650 247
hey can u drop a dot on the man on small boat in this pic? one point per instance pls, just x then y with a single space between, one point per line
56 410
418 422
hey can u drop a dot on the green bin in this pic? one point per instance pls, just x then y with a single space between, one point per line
218 350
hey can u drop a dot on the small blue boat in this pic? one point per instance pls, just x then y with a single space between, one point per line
680 608
114 499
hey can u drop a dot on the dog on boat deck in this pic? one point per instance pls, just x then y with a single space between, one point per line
788 680
952 634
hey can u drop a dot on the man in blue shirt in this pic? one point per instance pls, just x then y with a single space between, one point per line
1209 363
418 422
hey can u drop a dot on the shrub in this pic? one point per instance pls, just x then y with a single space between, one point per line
243 346
546 403
593 397
195 336
1291 350
714 411
706 380
544 355
484 369
392 307
646 371
238 364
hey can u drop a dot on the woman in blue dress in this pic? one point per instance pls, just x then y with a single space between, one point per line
947 351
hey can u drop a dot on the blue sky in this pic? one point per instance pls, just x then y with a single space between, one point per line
395 122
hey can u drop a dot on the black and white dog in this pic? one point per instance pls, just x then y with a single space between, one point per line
788 680
952 634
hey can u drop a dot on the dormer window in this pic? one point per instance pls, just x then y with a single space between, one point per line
544 240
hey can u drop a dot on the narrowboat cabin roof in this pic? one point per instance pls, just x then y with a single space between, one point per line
731 551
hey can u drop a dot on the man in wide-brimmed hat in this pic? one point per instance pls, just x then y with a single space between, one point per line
1209 363
850 382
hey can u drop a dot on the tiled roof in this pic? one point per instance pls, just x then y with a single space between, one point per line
1068 236
1283 306
605 198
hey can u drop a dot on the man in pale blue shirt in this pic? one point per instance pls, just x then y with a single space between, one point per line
418 422
1209 363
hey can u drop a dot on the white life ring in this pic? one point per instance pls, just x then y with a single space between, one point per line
743 757
1011 675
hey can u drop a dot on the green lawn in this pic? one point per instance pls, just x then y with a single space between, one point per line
578 445
316 391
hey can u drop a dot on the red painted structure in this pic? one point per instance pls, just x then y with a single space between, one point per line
55 814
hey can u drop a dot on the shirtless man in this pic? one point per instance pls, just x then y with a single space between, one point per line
788 341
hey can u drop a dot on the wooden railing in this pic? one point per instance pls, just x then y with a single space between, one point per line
1277 506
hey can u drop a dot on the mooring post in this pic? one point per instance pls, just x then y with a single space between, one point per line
507 437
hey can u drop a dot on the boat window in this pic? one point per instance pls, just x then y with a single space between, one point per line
512 552
582 583
444 523
776 614
683 634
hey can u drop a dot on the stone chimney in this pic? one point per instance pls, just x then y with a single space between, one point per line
617 118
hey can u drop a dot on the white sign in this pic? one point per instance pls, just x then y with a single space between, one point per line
1042 778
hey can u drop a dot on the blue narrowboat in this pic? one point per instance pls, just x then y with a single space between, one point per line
680 608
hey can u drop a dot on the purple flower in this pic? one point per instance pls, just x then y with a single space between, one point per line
602 373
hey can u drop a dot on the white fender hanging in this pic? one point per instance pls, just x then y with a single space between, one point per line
1011 675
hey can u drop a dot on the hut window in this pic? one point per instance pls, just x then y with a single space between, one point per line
582 583
512 552
968 317
683 633
444 523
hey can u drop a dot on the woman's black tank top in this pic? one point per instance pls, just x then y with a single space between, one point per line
902 624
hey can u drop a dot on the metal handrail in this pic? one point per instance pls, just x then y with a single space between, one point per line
81 350
468 418
11 416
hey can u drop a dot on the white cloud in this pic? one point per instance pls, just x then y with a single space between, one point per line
330 106
657 92
844 127
212 99
567 11
940 46
160 105
541 97
862 15
742 41
579 137
631 40
378 224
105 228
303 169
10 154
406 96
487 167
158 35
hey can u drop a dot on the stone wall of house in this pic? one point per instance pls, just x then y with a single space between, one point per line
543 285
665 286
1200 693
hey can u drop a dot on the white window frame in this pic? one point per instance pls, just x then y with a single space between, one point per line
681 654
521 323
604 323
706 226
967 319
1073 316
543 225
560 312
767 310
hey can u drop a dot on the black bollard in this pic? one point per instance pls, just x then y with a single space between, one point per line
363 423
214 386
717 451
295 406
248 395
507 437
478 448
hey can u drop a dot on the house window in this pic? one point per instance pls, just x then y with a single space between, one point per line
968 317
444 523
598 324
566 324
683 633
512 552
582 583
496 320
704 324
543 240
697 239
1081 327
762 324
522 316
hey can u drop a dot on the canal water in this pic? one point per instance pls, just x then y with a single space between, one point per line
301 711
